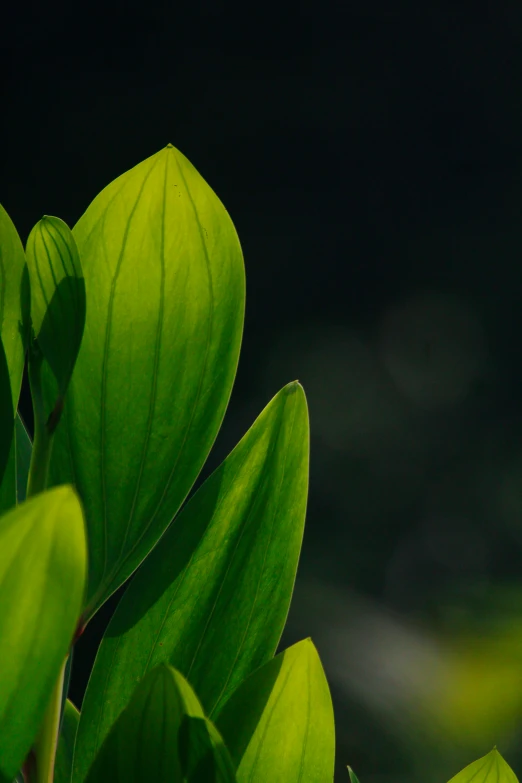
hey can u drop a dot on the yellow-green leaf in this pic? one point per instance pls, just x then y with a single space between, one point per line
488 769
164 281
279 725
42 582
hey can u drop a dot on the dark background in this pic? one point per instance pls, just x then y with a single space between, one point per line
370 156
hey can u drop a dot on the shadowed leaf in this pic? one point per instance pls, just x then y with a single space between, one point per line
57 296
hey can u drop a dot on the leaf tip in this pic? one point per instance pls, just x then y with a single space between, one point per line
292 387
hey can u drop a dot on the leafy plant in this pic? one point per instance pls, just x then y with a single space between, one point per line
131 327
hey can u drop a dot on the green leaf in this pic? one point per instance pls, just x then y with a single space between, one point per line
14 303
14 333
66 682
164 282
6 414
14 484
488 769
213 597
279 723
23 458
42 581
146 740
203 754
353 776
65 749
57 296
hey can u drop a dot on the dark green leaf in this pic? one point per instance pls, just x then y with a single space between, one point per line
23 458
14 484
164 282
66 683
279 724
213 597
14 332
42 582
65 749
203 755
6 416
144 743
14 303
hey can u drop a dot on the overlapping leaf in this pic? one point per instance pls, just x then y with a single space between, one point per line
279 724
14 484
65 750
6 415
14 327
213 597
57 296
14 303
42 582
489 769
163 736
164 282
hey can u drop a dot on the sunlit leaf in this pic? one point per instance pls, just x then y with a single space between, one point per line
164 282
65 749
213 597
488 769
279 724
152 739
42 581
57 295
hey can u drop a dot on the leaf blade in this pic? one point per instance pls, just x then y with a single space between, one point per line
66 740
158 737
278 725
14 484
164 282
491 768
14 302
57 295
213 598
43 554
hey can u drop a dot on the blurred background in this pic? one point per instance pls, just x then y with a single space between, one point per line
370 156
